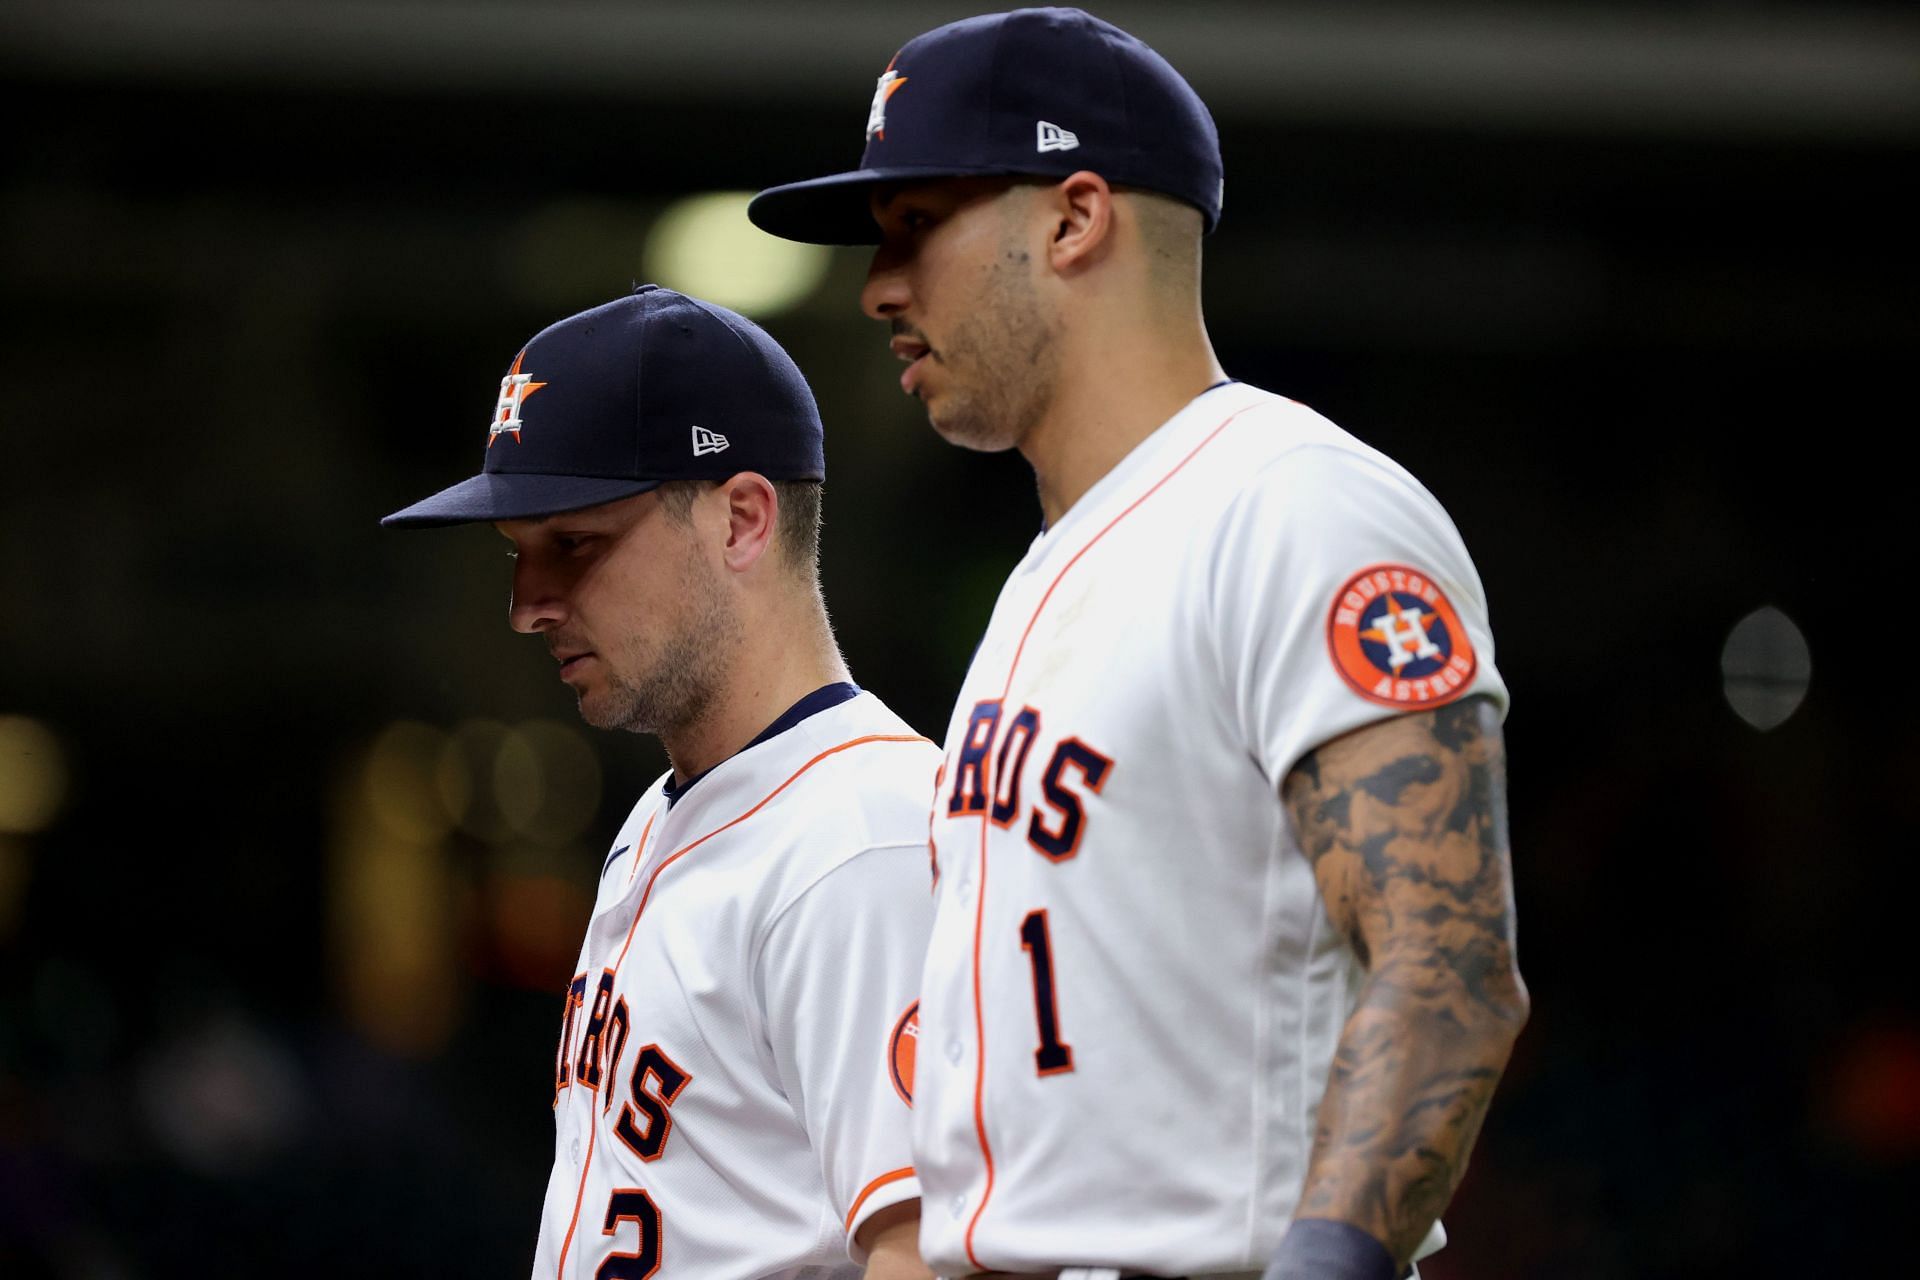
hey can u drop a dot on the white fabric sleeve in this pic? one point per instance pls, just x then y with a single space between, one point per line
1298 561
840 971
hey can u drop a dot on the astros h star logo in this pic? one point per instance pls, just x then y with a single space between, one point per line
889 84
514 389
1396 639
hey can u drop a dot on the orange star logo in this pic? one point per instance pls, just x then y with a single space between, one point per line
1412 619
514 389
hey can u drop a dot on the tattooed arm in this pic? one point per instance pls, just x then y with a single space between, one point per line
1405 824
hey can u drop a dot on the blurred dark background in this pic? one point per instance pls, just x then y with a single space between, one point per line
296 838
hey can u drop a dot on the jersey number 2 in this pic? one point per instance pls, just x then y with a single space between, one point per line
1052 1057
632 1205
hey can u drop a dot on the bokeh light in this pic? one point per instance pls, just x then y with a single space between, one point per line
703 245
33 775
224 1098
465 778
392 896
400 777
1765 666
534 924
547 781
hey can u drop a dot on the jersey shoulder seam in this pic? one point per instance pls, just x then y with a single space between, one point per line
777 915
1249 490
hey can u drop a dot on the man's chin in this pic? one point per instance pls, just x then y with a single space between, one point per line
597 709
964 431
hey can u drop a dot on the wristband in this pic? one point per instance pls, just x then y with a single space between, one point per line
1322 1249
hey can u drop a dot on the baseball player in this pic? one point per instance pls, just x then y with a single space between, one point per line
1222 973
733 1075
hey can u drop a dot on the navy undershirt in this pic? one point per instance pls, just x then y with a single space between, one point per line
830 695
827 695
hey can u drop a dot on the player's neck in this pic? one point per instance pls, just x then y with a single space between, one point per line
1116 389
785 655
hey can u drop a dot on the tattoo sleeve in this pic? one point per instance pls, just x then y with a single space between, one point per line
1405 824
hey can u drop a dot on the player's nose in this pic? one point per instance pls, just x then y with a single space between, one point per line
885 294
536 603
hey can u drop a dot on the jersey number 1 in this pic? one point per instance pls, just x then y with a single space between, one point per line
1052 1057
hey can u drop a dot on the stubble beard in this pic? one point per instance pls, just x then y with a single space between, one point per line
1002 361
662 687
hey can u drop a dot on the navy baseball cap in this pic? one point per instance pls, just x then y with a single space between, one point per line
1042 92
652 387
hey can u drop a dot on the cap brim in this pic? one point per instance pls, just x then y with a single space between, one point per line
513 496
830 210
838 209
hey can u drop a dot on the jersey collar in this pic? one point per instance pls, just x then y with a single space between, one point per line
821 699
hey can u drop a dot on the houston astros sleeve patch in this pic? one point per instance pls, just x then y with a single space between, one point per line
900 1051
1395 638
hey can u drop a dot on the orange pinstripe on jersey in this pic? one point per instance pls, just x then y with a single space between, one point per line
593 1131
979 910
640 849
586 1167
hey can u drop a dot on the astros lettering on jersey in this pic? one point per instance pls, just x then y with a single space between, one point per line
730 1084
1133 994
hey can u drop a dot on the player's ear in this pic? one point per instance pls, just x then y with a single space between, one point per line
1080 212
753 515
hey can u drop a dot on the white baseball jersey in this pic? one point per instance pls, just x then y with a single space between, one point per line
731 1086
1133 993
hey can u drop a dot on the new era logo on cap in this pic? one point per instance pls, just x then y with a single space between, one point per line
706 442
1053 138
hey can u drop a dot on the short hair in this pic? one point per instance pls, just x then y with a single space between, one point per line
798 524
1170 230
